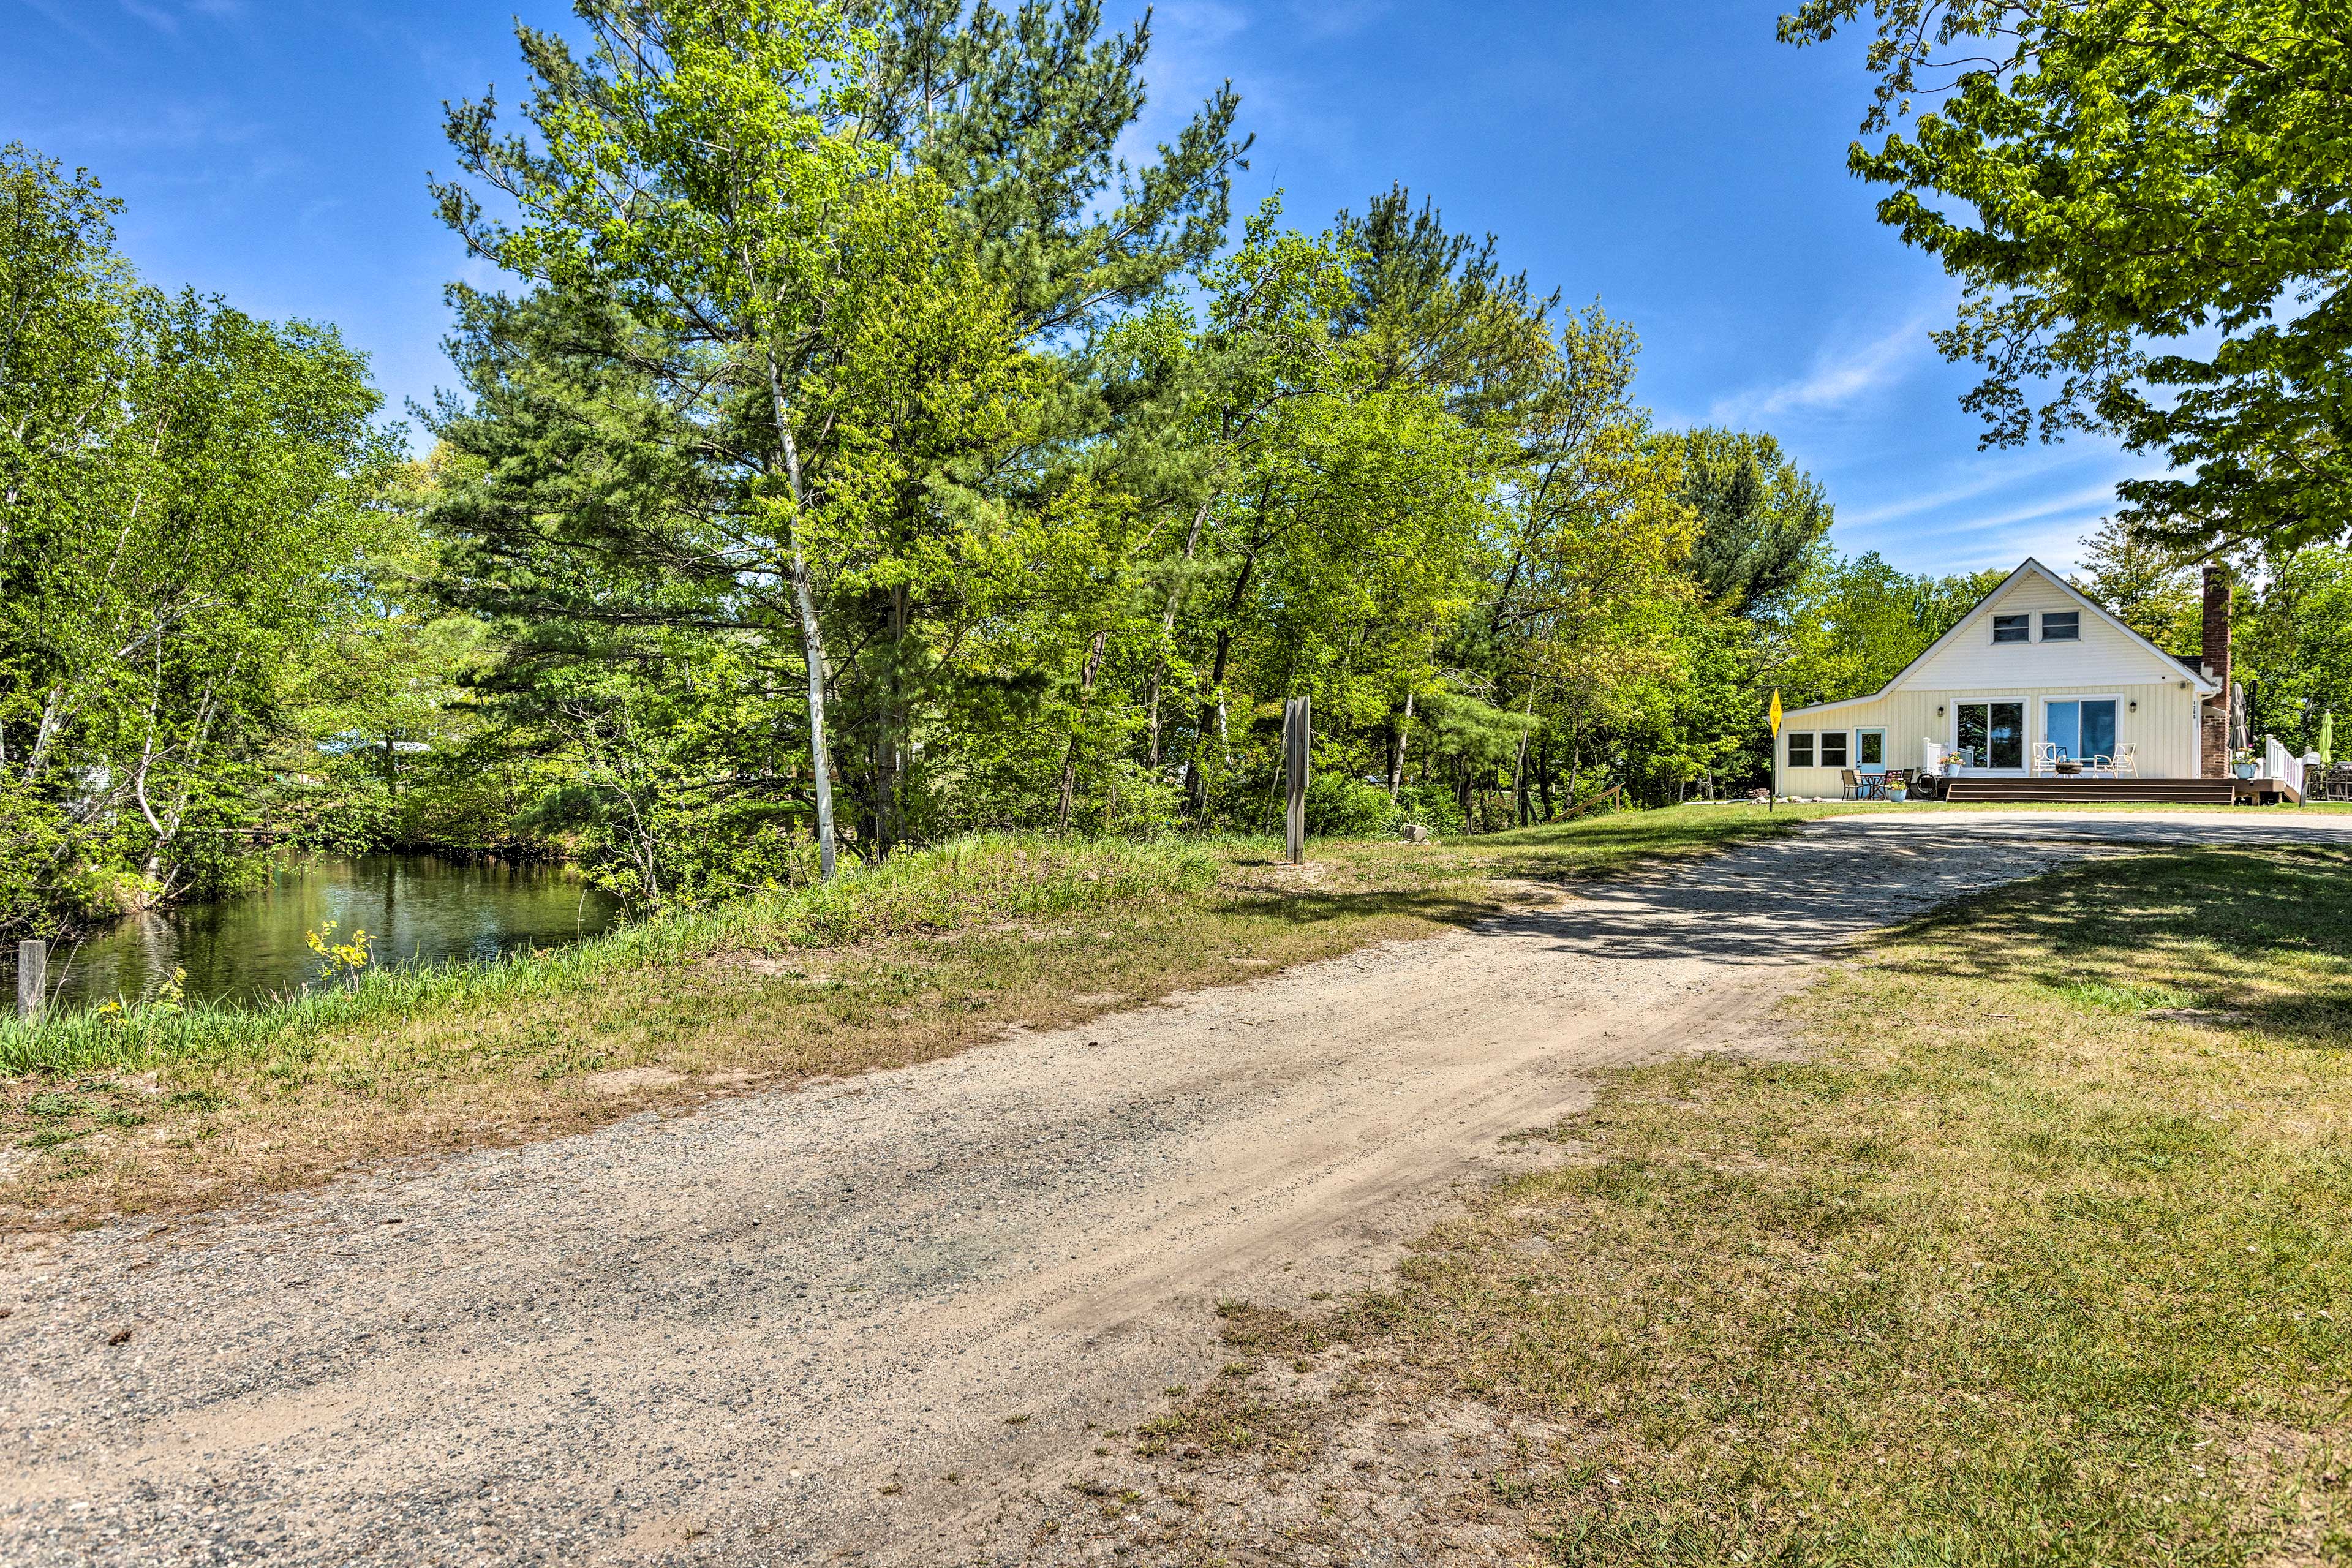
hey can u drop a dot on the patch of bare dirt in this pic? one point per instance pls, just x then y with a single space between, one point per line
631 1081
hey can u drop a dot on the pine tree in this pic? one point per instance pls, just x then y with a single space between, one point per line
2148 587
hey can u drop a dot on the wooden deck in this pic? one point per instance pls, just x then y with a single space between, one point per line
2266 792
2086 792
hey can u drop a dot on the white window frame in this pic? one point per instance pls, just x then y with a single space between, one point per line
2044 626
1813 748
1846 746
1994 628
2025 722
2041 714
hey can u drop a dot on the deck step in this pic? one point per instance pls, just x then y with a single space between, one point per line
2156 792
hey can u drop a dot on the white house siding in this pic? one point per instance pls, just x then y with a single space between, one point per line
2164 726
1973 661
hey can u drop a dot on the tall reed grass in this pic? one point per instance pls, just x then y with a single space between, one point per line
971 882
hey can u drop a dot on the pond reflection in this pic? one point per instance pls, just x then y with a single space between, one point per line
416 909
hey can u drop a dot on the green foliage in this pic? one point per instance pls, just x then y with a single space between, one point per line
2292 613
183 492
2148 587
1338 806
2150 217
1761 519
1431 805
1858 621
2294 647
858 452
889 460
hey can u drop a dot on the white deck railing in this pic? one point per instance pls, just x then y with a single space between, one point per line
2281 765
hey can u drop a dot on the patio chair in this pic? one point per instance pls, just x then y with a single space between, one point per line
1851 781
2045 756
2125 764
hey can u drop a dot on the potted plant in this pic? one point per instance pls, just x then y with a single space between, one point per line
2242 763
1898 792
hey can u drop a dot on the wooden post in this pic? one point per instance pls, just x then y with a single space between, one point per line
31 977
1295 729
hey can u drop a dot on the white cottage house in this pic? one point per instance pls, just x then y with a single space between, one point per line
2037 682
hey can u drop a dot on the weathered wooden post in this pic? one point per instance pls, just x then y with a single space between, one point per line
32 976
1295 729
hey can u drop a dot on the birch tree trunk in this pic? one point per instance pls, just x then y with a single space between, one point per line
812 631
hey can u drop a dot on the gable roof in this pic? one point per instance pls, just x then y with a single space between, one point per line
2193 669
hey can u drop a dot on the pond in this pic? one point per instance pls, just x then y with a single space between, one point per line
416 909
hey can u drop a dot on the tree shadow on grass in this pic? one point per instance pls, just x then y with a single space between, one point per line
1310 907
2242 938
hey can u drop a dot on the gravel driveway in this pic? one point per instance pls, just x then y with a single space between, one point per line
874 1320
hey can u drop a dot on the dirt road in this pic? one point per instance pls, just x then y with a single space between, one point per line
875 1320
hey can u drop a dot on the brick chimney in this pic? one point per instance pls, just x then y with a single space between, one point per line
2213 720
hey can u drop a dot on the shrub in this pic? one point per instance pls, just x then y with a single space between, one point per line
1338 806
1433 805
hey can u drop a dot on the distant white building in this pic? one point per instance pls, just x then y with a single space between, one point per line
2036 675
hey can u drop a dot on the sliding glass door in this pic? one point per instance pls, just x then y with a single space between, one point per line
2082 729
1993 734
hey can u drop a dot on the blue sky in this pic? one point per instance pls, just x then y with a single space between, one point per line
1672 161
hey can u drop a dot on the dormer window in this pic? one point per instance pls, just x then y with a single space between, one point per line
2062 625
2012 628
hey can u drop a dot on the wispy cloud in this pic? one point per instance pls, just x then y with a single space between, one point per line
1197 23
2051 526
1336 18
63 16
171 125
1992 474
166 15
1838 378
155 16
2092 500
1199 46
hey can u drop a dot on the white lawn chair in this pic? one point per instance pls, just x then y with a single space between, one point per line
2126 761
2045 756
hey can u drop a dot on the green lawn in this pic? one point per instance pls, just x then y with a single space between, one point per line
2040 1254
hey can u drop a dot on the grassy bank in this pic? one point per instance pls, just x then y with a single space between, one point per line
947 890
2041 1253
157 1111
